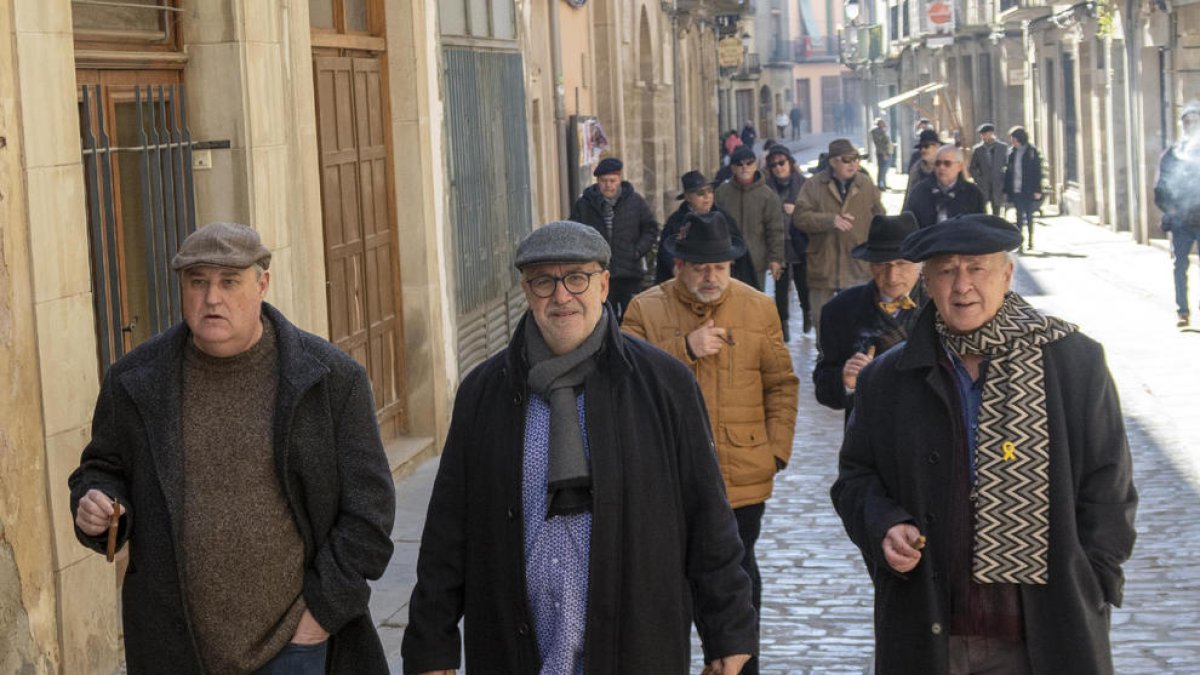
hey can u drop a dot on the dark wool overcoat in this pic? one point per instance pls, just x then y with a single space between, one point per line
1031 172
328 458
961 199
852 322
898 458
664 269
634 229
664 545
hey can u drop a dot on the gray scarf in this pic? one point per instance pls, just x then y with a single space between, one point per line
1012 456
555 379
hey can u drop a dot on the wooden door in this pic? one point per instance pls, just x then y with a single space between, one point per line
360 239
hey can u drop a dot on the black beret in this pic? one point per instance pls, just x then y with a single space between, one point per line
928 137
986 126
975 234
740 154
563 241
608 165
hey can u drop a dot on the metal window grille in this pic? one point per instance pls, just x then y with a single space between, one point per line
168 208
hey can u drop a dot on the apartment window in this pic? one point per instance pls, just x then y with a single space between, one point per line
494 19
147 26
346 17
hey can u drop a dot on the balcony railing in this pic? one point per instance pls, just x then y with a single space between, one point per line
1015 11
750 69
821 49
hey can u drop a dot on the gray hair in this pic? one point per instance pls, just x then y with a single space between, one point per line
949 149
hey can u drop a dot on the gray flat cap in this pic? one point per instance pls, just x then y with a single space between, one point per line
563 241
222 245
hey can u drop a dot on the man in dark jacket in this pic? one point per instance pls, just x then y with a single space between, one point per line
988 159
785 178
1177 195
578 522
1023 180
756 209
986 477
242 458
862 322
618 212
946 194
697 197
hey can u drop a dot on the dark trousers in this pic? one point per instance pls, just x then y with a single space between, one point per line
797 272
1024 205
749 522
620 292
296 659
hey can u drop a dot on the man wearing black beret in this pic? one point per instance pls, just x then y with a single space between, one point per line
989 158
623 217
986 477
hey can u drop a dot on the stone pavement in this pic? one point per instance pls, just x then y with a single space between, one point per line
817 597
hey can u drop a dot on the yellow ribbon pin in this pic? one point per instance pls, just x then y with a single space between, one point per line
1010 451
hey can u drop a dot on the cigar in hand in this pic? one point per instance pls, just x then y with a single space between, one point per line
871 352
919 544
114 523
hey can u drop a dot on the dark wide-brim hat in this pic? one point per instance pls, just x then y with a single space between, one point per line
885 238
975 234
705 239
840 147
693 180
230 245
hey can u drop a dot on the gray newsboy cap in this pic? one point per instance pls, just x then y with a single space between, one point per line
222 245
563 241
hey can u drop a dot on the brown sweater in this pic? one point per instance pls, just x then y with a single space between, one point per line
243 557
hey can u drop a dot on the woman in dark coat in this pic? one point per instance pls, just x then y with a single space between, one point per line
786 179
1023 180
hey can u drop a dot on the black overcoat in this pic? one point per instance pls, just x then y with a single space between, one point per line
634 229
961 199
1031 172
664 268
328 458
851 323
898 457
664 545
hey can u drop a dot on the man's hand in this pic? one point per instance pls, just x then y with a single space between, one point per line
309 632
844 222
707 340
94 513
729 665
789 208
900 547
853 366
1037 196
776 270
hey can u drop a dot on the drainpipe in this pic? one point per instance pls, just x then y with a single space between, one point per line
560 108
1137 207
675 37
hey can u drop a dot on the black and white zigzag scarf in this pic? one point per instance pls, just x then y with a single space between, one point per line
1012 455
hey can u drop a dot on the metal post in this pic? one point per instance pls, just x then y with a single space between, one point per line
560 107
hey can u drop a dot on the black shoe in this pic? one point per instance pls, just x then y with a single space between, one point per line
1183 322
807 323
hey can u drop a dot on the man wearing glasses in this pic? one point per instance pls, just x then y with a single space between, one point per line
835 208
756 209
578 521
947 193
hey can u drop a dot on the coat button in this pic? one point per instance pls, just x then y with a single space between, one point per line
523 629
934 458
929 518
517 398
936 628
512 515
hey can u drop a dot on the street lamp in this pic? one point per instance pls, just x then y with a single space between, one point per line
852 11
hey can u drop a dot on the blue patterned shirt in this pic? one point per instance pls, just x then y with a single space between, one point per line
556 553
970 392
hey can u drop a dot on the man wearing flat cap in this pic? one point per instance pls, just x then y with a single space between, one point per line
577 522
989 159
623 217
864 321
834 209
243 459
986 477
728 335
756 209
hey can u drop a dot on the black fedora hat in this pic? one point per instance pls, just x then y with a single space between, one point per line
885 237
705 239
693 180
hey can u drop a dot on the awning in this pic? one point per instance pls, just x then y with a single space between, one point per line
911 94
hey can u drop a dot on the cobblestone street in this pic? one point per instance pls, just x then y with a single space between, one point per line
817 596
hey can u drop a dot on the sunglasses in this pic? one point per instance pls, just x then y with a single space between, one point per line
944 162
849 159
782 162
746 162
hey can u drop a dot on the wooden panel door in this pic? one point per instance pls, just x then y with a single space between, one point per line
360 260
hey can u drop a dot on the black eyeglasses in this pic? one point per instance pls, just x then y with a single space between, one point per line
575 282
944 162
782 162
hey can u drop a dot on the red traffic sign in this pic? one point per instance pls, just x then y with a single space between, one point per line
939 12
